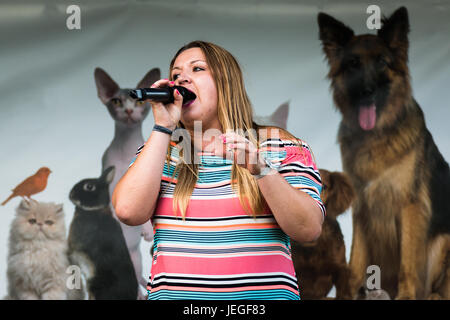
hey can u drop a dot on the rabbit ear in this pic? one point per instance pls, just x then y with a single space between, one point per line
108 174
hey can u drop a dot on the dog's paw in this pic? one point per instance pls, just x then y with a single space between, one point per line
379 294
434 296
406 292
405 297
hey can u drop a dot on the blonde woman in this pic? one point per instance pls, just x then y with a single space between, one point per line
225 202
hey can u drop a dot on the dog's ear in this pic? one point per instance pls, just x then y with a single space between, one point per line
395 31
340 194
333 34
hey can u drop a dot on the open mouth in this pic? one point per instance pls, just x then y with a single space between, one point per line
188 95
367 116
188 103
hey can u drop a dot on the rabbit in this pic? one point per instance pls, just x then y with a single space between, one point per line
96 242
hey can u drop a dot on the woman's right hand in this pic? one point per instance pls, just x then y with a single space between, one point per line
167 115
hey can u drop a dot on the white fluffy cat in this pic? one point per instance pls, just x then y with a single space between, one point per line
37 258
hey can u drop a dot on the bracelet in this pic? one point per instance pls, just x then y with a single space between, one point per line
266 170
162 129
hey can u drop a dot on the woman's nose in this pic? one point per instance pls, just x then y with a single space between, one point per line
182 77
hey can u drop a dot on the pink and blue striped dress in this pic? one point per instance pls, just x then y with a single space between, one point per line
219 252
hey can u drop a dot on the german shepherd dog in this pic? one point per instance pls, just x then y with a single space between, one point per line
401 213
321 264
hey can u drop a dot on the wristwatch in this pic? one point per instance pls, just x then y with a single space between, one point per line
265 171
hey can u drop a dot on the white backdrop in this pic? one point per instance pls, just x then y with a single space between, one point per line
50 114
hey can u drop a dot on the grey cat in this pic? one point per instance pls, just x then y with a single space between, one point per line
37 257
277 118
128 115
96 242
377 294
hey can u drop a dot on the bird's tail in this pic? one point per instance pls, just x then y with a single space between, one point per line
9 198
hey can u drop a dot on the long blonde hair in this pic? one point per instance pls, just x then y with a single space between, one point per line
235 113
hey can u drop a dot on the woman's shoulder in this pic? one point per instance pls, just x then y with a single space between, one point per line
275 136
283 145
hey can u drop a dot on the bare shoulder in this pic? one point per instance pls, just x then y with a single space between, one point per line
273 132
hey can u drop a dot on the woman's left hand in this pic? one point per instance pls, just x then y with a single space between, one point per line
241 151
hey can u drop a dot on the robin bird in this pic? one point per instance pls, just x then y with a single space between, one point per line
31 185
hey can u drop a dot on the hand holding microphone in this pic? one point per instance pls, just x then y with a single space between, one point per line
164 95
167 100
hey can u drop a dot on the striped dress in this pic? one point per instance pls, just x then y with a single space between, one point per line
218 252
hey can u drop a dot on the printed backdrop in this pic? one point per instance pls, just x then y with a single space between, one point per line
50 114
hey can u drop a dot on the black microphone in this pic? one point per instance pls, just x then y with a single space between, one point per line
164 95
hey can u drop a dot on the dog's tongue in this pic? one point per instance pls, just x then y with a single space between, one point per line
367 117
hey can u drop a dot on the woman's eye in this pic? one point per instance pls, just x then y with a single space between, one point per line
175 76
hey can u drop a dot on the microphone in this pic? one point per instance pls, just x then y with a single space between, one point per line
164 95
